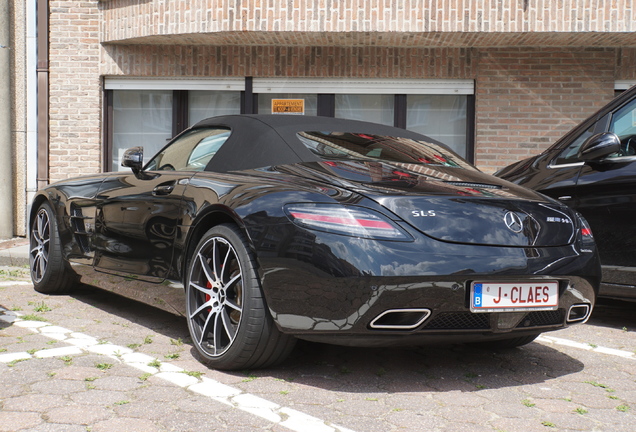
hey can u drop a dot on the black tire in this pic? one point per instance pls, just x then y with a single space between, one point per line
50 273
228 319
511 343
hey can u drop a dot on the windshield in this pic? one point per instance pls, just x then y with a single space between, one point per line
345 145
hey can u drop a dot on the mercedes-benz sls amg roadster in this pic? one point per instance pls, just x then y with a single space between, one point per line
264 229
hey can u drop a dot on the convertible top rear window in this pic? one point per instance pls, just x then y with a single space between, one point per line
360 146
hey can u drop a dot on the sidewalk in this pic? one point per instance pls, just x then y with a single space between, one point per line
14 252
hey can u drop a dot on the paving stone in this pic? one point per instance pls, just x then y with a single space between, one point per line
12 421
522 425
193 422
145 409
77 414
79 373
98 397
59 387
121 383
33 402
53 427
124 424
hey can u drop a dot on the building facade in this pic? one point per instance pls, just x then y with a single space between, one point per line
495 80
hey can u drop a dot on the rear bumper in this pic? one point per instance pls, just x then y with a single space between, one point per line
331 288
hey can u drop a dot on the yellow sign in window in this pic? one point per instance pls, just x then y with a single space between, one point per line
288 106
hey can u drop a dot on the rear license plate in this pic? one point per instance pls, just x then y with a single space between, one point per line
513 296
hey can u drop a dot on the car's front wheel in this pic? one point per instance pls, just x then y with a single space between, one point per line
50 273
227 316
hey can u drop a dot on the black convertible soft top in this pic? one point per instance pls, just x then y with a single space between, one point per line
266 140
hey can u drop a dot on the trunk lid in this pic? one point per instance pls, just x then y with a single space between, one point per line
450 203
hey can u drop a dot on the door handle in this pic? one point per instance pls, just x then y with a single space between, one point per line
565 198
163 190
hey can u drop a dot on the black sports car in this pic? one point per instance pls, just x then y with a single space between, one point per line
593 170
338 231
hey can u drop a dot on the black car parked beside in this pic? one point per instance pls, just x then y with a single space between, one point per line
593 170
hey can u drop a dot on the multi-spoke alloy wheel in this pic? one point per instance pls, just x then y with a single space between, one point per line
228 321
40 240
49 272
216 285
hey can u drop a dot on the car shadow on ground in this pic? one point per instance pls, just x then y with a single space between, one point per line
369 370
427 368
616 314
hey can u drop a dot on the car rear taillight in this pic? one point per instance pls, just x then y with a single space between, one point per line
587 239
349 220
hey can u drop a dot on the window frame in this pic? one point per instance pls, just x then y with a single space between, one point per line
325 89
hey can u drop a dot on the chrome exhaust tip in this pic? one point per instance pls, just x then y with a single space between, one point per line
400 319
579 313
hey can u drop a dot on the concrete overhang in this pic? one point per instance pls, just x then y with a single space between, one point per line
389 39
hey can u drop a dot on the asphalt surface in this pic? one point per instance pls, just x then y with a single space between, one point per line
94 361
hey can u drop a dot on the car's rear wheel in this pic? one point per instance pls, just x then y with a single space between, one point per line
227 316
50 273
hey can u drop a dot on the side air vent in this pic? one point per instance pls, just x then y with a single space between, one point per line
79 228
400 319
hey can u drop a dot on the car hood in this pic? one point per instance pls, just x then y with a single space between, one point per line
459 205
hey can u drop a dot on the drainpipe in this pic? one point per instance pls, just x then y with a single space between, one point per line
6 124
43 92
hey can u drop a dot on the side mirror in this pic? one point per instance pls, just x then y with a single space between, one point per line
599 146
133 158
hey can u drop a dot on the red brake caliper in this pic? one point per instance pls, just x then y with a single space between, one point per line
208 296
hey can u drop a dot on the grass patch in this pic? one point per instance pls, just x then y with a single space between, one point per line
596 384
31 317
250 378
42 307
104 366
176 342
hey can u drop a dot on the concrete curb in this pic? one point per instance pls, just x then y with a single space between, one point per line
14 253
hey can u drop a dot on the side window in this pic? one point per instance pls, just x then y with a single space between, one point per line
623 124
191 151
570 153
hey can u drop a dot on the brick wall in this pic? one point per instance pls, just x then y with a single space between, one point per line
526 97
128 19
272 61
74 89
529 97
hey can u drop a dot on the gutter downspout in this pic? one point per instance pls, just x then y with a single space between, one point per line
43 92
6 124
31 106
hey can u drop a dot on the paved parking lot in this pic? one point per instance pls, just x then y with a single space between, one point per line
93 361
